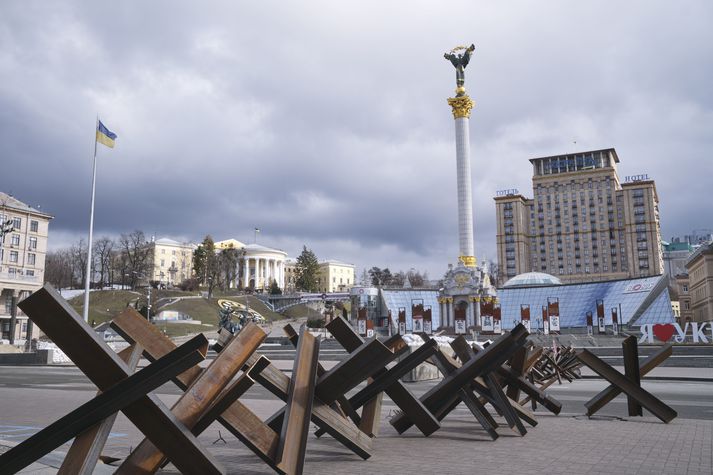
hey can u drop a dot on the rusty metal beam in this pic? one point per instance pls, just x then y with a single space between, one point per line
610 392
643 397
339 427
409 404
83 455
300 396
348 373
146 457
104 368
238 419
125 392
388 378
630 349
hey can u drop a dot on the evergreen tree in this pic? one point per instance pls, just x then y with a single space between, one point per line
206 264
275 289
307 269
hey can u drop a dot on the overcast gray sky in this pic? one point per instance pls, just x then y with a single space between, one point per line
326 123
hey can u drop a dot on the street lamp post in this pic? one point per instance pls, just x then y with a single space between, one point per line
148 303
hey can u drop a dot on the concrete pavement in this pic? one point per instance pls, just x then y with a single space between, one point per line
559 444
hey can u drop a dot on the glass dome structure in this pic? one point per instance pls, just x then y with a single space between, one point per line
532 279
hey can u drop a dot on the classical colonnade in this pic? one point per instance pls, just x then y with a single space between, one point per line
259 271
449 304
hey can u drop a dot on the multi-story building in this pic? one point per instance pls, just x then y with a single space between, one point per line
700 275
675 255
583 224
290 276
172 261
335 276
22 261
684 297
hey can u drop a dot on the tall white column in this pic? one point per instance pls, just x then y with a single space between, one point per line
246 272
462 106
258 274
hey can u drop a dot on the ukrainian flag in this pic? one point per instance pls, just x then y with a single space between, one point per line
104 135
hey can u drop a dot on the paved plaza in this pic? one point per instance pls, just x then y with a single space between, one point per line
568 443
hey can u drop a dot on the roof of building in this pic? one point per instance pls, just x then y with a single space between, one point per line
532 279
563 155
638 301
335 263
676 246
171 242
703 249
9 201
260 248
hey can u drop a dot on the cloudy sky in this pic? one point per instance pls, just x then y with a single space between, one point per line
326 123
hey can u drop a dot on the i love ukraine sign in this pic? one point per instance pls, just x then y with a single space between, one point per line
692 332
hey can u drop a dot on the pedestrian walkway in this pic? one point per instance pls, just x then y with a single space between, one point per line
566 444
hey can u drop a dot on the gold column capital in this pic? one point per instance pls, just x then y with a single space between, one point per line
461 105
468 261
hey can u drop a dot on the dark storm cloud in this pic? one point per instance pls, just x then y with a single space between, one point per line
325 123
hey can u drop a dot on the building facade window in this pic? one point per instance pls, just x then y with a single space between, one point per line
34 226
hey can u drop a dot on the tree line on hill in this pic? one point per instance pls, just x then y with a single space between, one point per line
129 262
385 278
125 261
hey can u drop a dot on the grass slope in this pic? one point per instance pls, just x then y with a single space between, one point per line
106 304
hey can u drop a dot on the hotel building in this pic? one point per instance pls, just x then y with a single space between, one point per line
583 224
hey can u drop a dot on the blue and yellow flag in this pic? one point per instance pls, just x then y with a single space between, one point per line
104 135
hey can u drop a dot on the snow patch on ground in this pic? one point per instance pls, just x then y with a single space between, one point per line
58 356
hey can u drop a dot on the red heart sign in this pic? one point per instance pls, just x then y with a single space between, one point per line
664 332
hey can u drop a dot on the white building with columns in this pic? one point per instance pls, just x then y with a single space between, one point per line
258 265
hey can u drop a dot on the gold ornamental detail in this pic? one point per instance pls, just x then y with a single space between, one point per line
461 106
468 261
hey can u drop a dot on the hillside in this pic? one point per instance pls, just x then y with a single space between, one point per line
105 304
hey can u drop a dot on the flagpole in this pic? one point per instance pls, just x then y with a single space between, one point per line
85 312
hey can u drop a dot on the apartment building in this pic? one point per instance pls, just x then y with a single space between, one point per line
583 224
22 261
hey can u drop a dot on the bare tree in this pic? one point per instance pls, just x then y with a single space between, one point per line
58 268
415 278
102 257
138 256
398 279
364 279
78 261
